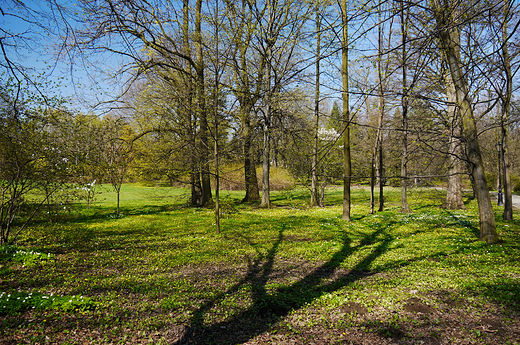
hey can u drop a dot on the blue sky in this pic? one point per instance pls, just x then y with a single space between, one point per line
30 34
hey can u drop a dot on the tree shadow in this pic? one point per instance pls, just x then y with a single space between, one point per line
465 223
268 308
95 213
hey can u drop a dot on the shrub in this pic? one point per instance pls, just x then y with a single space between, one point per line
232 178
491 180
515 182
280 179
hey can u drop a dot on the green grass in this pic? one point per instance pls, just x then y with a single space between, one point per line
285 270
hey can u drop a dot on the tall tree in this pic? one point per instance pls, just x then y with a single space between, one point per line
196 197
153 38
280 31
248 75
404 107
447 27
454 191
382 73
314 168
201 106
347 165
506 111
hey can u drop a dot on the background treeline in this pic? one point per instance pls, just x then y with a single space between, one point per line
249 95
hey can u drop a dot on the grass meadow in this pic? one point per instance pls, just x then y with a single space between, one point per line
286 275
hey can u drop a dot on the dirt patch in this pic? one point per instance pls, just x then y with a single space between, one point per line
353 308
279 314
291 238
415 305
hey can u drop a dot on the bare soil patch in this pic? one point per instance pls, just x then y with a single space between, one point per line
266 317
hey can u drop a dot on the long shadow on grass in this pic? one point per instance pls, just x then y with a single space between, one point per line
465 223
267 309
96 213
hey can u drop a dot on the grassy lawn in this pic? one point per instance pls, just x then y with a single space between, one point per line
290 274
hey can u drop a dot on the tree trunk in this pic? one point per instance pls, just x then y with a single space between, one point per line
347 165
266 190
404 105
314 187
118 198
202 111
215 117
269 40
251 181
454 191
381 178
196 188
378 142
504 120
449 40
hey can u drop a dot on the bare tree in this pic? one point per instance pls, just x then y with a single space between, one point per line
448 32
347 164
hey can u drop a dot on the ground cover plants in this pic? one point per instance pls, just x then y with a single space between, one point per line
287 275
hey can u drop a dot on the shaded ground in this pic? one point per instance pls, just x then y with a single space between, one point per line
290 275
425 317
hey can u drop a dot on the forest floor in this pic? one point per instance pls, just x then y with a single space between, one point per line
287 275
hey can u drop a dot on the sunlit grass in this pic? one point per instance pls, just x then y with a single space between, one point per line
162 263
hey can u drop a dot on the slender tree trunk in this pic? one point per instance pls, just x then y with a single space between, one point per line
378 146
381 177
246 96
215 117
347 166
217 182
201 105
251 181
266 190
404 105
450 43
373 178
506 170
118 198
504 120
314 188
454 191
194 171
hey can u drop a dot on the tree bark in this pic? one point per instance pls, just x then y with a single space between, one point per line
196 188
314 183
404 105
450 42
201 105
269 41
215 117
266 190
378 145
251 181
454 191
504 120
347 165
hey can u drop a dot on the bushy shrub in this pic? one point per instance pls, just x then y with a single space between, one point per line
232 178
515 182
280 179
491 180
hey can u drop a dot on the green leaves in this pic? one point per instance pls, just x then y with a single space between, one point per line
17 302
